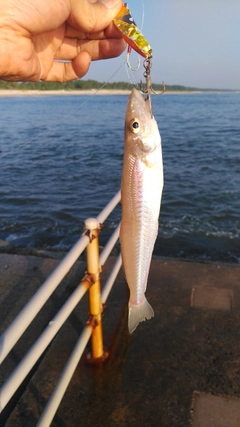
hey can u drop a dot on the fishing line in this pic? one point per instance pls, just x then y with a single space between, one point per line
130 75
143 15
130 71
40 134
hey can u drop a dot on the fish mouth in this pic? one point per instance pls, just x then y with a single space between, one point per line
148 106
139 102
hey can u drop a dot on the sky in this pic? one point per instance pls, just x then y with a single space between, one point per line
195 43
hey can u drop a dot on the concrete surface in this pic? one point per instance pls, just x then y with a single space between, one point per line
215 411
180 369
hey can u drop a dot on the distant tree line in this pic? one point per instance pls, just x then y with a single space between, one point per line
81 85
87 85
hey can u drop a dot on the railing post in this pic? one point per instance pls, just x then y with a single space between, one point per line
95 305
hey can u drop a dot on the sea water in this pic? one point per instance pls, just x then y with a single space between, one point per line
61 162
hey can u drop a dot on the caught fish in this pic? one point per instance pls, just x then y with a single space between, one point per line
141 191
131 33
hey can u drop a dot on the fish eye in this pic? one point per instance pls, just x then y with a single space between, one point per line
134 125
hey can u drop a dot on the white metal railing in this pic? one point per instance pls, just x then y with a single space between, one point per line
71 365
29 312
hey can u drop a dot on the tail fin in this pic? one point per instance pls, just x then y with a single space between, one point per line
138 313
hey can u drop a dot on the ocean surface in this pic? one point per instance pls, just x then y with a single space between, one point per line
61 162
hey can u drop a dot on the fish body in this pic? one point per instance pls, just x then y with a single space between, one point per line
129 30
141 191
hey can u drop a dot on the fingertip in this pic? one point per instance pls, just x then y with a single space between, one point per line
62 71
81 64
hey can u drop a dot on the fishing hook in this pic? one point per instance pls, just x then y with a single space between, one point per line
147 65
149 89
128 60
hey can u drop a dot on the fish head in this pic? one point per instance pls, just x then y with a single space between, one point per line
142 135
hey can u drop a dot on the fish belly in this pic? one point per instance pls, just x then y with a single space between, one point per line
141 196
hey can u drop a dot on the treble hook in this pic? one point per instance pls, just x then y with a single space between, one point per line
128 60
149 89
147 65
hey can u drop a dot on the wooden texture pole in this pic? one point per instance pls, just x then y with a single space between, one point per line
95 305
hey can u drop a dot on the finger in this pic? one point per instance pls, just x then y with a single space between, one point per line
66 71
97 49
93 17
106 49
109 33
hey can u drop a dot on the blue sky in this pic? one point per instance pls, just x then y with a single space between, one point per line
195 43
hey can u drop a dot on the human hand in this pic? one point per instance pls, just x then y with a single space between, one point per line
36 36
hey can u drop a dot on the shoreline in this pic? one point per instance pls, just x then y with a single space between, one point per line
8 93
17 92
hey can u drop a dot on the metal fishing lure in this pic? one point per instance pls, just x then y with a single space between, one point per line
130 32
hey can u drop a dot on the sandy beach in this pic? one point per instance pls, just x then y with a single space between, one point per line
12 93
5 93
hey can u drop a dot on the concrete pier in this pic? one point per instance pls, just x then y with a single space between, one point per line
180 369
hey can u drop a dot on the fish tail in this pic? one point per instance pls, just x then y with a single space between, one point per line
138 313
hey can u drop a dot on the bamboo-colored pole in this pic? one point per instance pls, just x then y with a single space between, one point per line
95 305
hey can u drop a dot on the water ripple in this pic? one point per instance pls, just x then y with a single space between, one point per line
62 174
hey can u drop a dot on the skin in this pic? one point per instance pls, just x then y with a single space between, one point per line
36 34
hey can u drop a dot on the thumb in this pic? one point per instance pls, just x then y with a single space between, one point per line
93 17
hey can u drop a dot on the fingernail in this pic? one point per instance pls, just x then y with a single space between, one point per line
109 3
